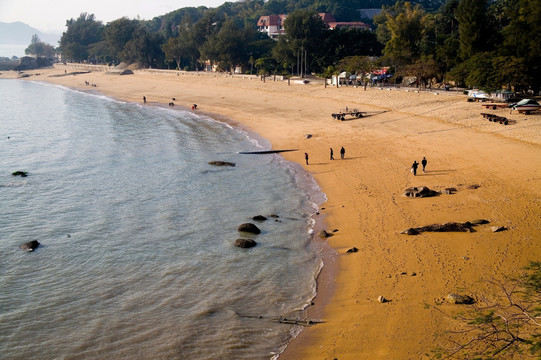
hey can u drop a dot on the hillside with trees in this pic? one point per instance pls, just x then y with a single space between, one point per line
473 43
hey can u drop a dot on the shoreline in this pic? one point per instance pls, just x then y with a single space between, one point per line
365 203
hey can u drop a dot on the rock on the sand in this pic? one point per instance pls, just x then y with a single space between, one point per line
460 299
445 227
382 299
323 234
498 228
420 191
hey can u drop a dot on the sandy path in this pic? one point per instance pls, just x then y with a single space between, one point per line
366 204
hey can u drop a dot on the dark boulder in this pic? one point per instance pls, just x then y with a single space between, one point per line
30 246
353 250
245 243
460 299
498 228
249 228
259 218
323 234
20 173
420 191
221 163
411 231
445 227
479 222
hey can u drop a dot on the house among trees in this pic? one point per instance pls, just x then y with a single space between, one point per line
333 24
273 25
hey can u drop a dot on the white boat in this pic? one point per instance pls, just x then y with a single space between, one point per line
478 94
526 106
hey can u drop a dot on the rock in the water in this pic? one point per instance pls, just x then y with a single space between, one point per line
323 234
20 173
460 299
222 163
245 243
498 228
420 191
30 246
382 299
249 228
259 218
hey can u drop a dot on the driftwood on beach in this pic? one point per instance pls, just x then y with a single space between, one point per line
445 227
283 320
266 152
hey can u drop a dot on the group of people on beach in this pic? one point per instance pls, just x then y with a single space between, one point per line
415 165
194 106
342 154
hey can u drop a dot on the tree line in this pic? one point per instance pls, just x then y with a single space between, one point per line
474 43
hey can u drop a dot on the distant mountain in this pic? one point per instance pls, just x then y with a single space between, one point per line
21 34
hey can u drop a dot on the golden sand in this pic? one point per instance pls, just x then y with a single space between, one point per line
365 196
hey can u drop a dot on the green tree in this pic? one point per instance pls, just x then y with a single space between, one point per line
358 64
285 54
39 48
81 33
344 42
522 34
304 32
476 72
407 31
472 20
447 43
424 69
182 47
144 48
117 34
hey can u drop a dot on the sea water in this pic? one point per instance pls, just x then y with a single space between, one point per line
137 257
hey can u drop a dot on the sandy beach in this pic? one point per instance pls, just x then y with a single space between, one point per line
496 170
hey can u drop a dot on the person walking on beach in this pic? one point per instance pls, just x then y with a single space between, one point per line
144 99
424 162
414 167
306 158
332 153
342 152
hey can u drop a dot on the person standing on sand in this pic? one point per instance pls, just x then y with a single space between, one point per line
414 167
342 152
424 162
332 153
306 158
144 99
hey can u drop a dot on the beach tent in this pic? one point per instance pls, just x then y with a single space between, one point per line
340 78
504 94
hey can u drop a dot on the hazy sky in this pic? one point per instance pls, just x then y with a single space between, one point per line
51 16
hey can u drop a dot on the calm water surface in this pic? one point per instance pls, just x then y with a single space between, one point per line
136 230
